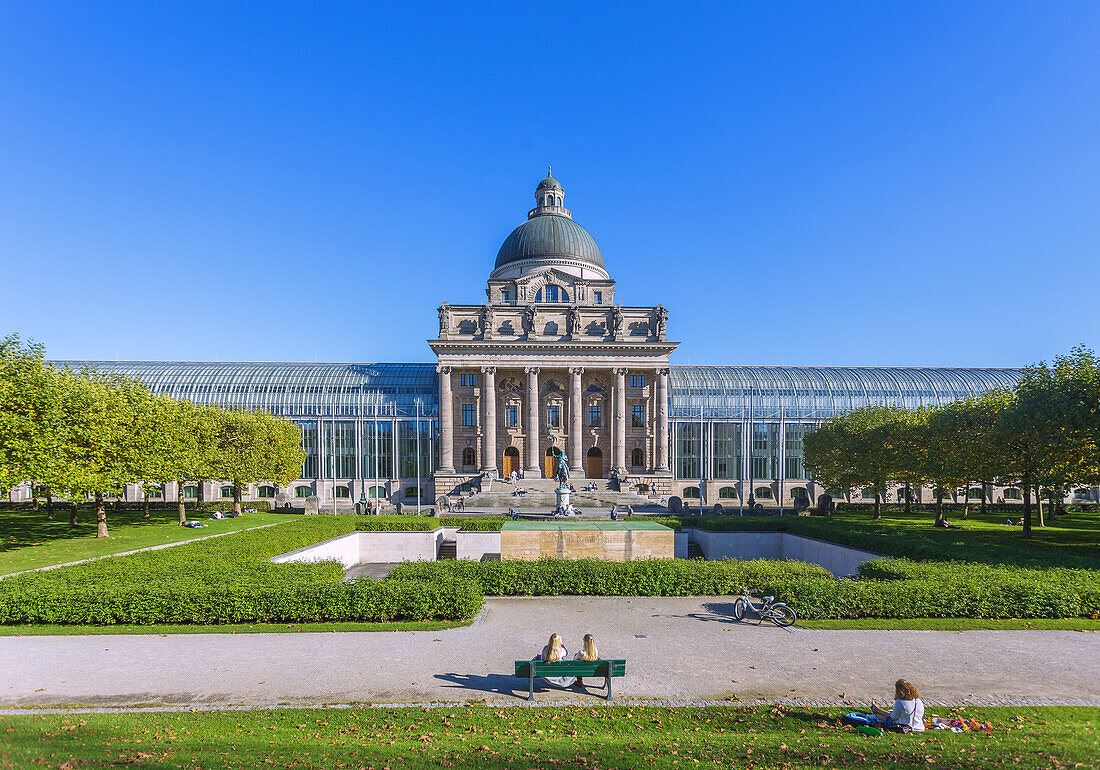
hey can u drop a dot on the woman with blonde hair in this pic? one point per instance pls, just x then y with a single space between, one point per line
552 653
588 652
907 715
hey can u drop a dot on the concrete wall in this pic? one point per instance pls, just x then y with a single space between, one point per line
474 545
381 547
680 545
344 549
838 559
607 545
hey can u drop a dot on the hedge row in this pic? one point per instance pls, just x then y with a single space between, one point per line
228 580
886 588
428 523
590 577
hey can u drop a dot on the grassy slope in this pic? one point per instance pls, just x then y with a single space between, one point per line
616 737
1071 541
29 540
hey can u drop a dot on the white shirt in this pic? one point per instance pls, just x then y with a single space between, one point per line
909 712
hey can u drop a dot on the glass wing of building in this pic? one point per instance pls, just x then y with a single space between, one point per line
290 390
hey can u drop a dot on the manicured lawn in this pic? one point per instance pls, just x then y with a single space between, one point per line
601 737
233 628
956 624
1070 541
29 540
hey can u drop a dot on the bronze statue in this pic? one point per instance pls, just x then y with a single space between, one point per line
561 470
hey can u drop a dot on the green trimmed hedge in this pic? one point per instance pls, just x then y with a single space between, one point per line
590 577
228 580
886 588
428 523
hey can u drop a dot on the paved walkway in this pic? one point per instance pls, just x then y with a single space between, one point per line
687 650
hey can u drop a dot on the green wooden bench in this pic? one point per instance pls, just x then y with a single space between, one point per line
529 669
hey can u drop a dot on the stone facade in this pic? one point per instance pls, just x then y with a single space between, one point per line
547 364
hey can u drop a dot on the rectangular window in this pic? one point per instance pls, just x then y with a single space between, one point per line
339 448
795 433
553 416
598 297
469 416
378 449
593 415
467 380
637 380
309 443
765 450
637 416
551 293
511 416
407 441
727 450
688 449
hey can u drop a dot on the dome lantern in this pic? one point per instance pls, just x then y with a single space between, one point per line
549 198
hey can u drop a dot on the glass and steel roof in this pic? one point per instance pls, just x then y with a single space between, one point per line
722 392
289 389
815 393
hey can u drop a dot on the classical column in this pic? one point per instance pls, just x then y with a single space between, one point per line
576 414
618 441
489 418
662 421
446 422
532 426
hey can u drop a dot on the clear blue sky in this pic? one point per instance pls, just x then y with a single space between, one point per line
822 183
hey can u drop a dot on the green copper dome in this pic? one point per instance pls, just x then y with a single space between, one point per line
549 183
547 236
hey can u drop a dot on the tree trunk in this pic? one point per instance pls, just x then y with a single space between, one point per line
72 514
985 494
200 498
939 507
237 498
146 504
1027 508
966 500
34 499
100 516
1039 505
180 503
878 505
908 499
49 505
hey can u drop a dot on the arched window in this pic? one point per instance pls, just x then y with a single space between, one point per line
376 492
190 493
303 491
468 456
637 457
1012 494
798 493
343 492
762 493
266 491
564 295
868 494
538 296
551 293
691 493
727 493
411 493
227 491
559 200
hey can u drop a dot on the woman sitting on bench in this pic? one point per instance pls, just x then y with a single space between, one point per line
588 653
552 653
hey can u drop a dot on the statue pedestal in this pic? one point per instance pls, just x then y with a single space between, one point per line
563 497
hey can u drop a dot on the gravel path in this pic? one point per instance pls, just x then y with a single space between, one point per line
681 651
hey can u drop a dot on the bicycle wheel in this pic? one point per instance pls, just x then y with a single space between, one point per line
782 615
739 609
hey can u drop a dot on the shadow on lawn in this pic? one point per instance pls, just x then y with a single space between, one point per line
24 527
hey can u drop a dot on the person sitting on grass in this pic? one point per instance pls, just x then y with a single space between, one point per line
552 653
907 715
588 652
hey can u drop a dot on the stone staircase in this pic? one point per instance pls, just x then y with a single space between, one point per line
448 549
541 497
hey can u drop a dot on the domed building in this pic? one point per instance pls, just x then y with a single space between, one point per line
550 363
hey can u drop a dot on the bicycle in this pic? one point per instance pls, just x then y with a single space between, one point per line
777 612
